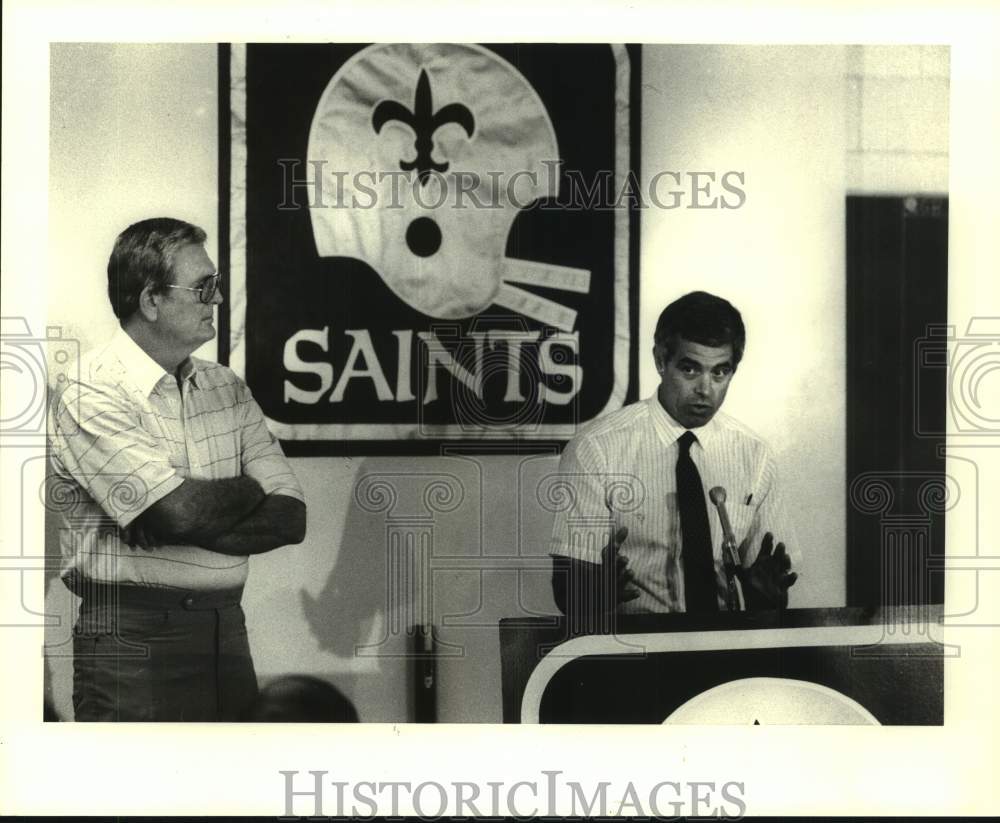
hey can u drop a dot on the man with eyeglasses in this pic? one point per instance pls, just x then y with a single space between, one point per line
171 480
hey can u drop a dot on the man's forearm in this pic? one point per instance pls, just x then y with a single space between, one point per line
199 511
277 521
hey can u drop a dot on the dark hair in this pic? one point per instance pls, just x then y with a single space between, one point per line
144 256
302 698
701 318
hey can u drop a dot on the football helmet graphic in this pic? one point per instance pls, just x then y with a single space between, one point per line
428 153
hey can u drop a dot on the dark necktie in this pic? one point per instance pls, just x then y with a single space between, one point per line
696 537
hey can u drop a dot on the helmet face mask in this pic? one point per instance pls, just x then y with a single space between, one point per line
432 150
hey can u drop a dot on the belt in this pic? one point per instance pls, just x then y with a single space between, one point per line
102 595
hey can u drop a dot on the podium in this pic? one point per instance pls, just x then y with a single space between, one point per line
846 665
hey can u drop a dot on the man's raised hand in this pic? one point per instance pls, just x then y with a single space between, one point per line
618 576
766 582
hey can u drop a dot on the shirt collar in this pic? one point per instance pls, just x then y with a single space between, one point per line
670 430
189 371
142 369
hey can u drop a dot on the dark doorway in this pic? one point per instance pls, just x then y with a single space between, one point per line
897 311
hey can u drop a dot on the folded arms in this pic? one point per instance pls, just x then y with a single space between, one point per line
231 516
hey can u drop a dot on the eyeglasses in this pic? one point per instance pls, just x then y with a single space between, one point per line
206 291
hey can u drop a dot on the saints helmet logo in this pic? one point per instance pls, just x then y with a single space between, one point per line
435 229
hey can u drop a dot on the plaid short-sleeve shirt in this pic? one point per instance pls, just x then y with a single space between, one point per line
125 435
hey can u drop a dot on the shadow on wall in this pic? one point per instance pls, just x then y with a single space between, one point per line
402 530
409 533
380 584
349 609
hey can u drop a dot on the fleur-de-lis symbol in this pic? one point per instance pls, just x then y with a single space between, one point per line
424 121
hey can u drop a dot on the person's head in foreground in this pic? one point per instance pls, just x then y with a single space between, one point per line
300 698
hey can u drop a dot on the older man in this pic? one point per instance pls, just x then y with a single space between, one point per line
638 536
175 481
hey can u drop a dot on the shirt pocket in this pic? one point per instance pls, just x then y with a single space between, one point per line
741 518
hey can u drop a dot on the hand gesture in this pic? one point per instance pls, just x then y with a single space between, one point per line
766 582
617 575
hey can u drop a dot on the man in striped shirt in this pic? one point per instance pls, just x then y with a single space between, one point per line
168 479
635 534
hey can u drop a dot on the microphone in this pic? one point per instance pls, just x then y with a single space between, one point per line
730 559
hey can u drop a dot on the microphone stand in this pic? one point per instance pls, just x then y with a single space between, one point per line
730 558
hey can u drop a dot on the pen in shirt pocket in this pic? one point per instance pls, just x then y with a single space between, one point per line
756 483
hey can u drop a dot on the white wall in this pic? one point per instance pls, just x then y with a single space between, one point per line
897 119
133 134
777 115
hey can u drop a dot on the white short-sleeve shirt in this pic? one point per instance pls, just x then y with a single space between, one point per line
621 471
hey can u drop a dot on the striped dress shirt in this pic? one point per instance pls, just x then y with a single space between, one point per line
126 434
621 471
